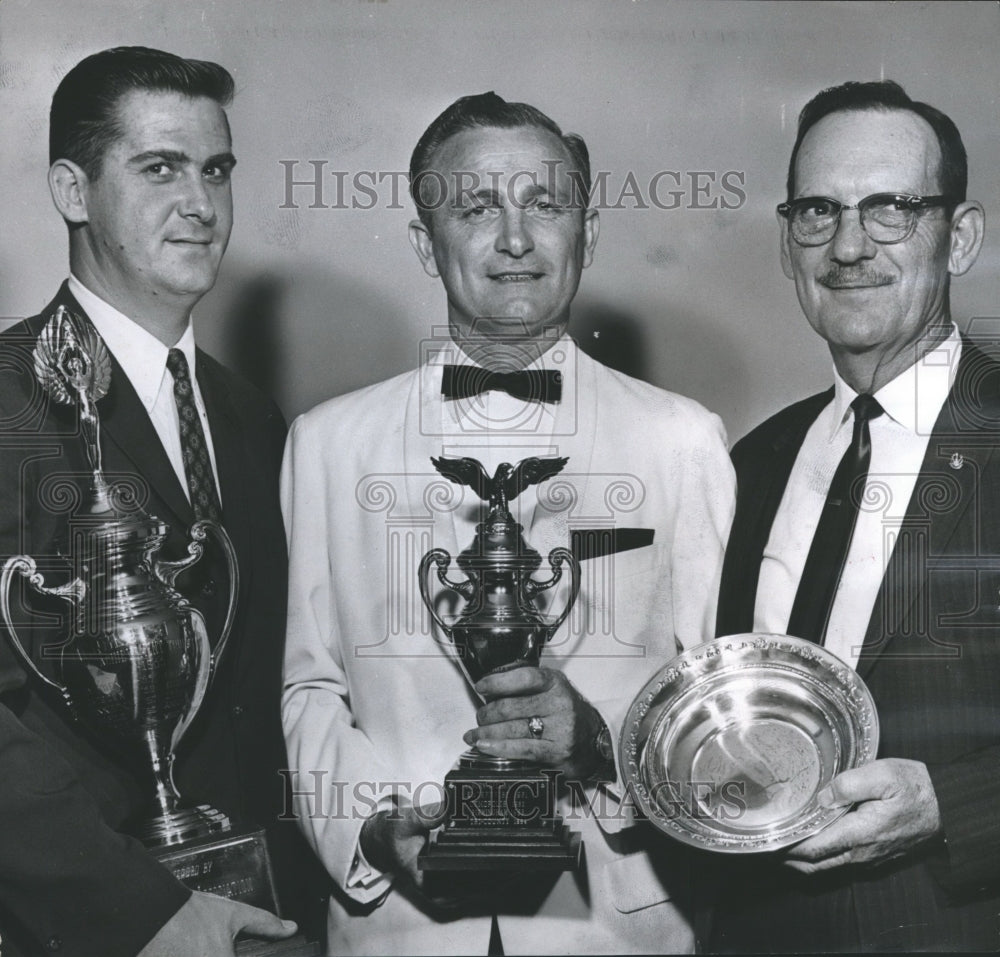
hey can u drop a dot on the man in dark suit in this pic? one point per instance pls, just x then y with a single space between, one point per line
868 519
141 159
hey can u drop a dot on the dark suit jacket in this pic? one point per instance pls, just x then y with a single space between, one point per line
66 876
931 658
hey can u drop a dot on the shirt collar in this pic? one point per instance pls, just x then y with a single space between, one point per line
560 356
141 355
914 398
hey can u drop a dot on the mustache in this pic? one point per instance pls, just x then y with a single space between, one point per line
861 275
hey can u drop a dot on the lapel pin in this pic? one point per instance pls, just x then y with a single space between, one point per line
956 461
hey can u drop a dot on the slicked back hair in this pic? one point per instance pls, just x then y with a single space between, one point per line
484 110
84 120
887 95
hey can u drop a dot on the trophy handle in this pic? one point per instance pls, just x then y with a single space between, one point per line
73 593
198 532
531 587
167 573
197 622
442 559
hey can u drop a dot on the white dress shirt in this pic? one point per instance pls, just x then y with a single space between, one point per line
143 359
911 403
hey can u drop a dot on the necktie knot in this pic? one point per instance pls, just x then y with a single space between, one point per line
177 365
530 385
866 407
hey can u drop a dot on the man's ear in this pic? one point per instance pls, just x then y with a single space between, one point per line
68 185
783 241
968 226
423 246
591 230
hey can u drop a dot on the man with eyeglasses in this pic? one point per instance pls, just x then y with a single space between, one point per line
868 520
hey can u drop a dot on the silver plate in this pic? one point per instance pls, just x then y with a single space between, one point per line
727 745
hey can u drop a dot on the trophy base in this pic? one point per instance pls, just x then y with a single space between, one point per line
551 846
183 825
501 818
235 864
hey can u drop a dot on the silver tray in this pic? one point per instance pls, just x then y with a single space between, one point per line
727 745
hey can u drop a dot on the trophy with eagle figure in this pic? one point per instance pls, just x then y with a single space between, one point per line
501 811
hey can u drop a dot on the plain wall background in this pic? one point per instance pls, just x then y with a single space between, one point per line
315 302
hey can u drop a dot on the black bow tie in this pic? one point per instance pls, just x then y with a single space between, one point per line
531 385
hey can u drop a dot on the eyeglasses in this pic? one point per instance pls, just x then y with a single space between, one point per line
886 217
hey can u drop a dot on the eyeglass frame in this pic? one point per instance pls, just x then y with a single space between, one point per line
912 202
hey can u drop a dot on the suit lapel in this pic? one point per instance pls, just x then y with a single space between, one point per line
574 434
230 461
928 526
422 438
762 478
125 422
126 425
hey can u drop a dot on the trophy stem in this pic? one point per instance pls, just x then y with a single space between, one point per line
100 496
173 824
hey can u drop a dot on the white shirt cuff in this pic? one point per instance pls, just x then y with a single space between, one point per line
365 883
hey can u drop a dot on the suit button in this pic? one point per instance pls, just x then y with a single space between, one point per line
208 589
53 943
237 710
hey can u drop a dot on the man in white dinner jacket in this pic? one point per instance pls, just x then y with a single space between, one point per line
376 708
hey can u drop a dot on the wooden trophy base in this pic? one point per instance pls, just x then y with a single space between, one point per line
501 818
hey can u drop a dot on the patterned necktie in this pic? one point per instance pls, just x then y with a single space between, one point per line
828 552
197 465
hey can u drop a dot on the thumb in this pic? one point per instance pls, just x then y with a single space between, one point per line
259 923
848 787
431 816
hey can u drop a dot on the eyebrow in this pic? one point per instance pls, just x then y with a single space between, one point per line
489 195
483 194
534 190
179 156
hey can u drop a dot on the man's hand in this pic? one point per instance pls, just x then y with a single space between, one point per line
897 810
391 840
570 722
207 924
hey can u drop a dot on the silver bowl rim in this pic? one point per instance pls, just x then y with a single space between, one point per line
855 694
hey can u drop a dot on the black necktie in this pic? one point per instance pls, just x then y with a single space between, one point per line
828 552
538 385
197 465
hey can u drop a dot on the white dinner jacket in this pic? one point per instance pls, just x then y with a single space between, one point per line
374 699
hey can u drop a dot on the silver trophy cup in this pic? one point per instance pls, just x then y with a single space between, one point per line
135 660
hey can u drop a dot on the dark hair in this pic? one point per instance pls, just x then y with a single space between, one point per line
886 95
84 121
486 110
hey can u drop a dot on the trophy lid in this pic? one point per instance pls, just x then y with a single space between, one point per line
499 541
499 544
